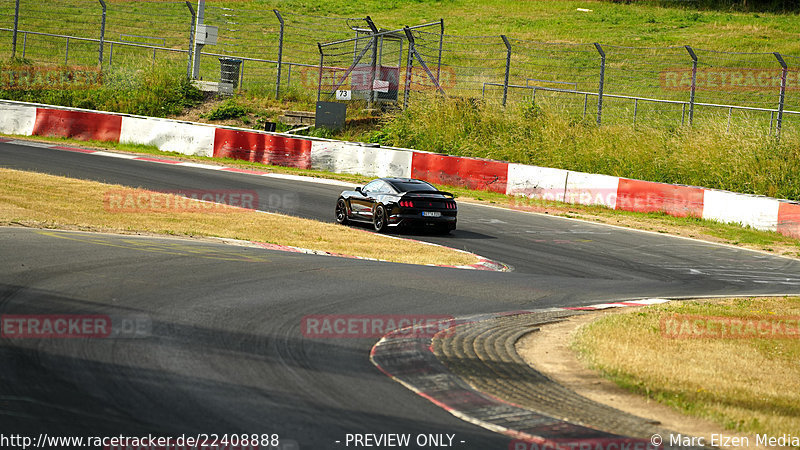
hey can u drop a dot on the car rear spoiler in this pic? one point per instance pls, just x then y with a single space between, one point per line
429 192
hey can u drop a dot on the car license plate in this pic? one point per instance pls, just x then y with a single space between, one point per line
431 214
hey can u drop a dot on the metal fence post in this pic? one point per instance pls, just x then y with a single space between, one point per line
508 67
280 56
602 82
374 66
728 128
409 64
102 31
241 75
784 70
200 16
585 104
191 41
319 80
16 29
441 43
413 50
694 83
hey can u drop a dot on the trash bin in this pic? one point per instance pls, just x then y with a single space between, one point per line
229 71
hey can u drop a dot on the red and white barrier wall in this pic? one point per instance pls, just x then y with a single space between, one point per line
17 118
168 135
345 157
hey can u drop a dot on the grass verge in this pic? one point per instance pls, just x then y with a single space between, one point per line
755 391
39 200
731 234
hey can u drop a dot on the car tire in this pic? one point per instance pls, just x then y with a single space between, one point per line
341 212
380 220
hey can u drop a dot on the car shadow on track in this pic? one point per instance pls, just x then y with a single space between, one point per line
421 232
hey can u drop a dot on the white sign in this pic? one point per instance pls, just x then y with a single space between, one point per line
343 95
206 35
380 86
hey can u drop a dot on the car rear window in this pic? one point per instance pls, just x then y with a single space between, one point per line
405 186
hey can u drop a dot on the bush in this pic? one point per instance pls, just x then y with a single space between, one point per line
742 160
152 91
228 109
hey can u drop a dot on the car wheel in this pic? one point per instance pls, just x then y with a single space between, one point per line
341 212
380 220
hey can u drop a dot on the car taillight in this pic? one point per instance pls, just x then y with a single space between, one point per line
450 205
406 203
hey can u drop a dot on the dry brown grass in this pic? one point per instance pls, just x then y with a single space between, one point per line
39 200
748 384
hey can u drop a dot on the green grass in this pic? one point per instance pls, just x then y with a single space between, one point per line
639 23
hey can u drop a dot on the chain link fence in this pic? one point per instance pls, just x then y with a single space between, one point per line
74 32
286 54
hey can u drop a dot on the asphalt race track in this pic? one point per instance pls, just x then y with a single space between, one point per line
221 348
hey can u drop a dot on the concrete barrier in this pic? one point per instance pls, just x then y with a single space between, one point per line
592 189
537 182
169 136
86 126
262 147
346 157
472 173
645 196
17 119
747 210
789 219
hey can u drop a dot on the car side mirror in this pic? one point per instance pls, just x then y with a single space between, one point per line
359 190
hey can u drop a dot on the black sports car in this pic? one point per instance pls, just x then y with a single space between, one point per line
391 202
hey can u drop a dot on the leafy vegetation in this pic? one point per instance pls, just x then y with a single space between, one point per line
229 109
158 91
